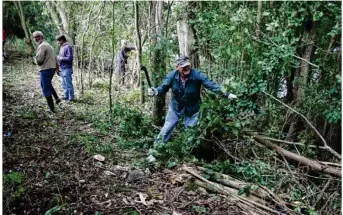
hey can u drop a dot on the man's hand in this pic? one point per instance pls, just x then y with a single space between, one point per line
35 60
152 91
232 96
59 57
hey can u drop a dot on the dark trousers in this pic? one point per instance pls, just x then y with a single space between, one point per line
45 82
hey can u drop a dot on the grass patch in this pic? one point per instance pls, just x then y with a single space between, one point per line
92 143
28 113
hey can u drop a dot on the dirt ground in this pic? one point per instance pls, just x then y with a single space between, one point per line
60 174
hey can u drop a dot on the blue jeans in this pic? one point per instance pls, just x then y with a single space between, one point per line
171 121
67 83
45 82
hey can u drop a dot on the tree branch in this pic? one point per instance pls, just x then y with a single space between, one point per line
309 123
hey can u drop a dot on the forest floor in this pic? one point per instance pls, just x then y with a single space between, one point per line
48 164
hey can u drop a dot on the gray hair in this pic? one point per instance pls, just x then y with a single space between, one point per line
123 43
36 33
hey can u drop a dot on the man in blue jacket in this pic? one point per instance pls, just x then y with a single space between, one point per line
65 61
185 83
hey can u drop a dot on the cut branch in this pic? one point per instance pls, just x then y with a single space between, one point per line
315 165
309 123
225 190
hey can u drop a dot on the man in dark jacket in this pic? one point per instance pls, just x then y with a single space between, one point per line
185 83
122 59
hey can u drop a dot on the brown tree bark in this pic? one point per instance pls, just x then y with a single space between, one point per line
301 75
28 40
157 58
139 52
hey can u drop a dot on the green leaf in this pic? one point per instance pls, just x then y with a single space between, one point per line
171 164
53 210
47 174
206 176
241 191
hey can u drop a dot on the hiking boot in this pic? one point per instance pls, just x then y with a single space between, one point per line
50 102
58 101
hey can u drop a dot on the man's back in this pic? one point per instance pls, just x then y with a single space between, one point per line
45 56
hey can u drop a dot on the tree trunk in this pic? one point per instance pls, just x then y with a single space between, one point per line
64 20
139 52
112 64
258 18
23 24
301 75
52 10
157 58
187 36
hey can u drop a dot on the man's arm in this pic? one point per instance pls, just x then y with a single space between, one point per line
214 87
209 84
40 56
163 89
68 58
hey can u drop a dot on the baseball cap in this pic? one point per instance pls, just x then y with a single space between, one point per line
183 61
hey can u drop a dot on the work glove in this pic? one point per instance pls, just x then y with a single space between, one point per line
232 96
152 91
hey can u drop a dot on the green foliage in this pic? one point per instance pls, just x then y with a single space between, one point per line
13 188
13 178
105 86
92 143
53 210
199 209
28 113
131 123
247 189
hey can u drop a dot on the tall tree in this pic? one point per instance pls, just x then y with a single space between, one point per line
23 24
187 34
139 51
157 56
57 11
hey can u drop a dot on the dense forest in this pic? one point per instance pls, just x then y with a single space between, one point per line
275 149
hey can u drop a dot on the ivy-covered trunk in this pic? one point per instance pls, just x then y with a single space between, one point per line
302 74
157 58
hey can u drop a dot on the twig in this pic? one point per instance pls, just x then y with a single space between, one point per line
321 194
292 143
309 123
289 169
221 145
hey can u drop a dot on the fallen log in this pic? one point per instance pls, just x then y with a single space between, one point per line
261 192
314 165
245 205
224 190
